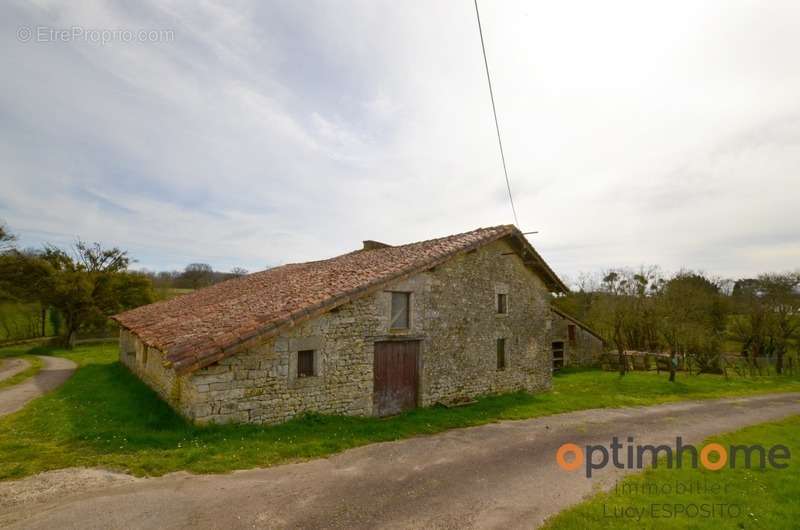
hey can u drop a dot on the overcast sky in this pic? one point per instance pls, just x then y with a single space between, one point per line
264 133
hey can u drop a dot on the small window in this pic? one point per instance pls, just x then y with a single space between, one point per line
558 355
501 354
571 333
305 363
400 303
502 303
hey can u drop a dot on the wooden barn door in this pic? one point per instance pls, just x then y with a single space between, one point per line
396 376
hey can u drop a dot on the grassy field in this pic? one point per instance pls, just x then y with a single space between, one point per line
753 498
21 321
104 416
167 293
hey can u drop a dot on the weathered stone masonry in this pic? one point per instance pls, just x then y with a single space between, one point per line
581 347
452 312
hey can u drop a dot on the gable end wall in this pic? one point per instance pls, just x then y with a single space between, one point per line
584 351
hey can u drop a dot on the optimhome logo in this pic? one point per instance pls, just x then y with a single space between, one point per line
635 456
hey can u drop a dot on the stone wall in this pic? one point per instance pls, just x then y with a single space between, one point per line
585 350
453 314
463 325
148 364
260 384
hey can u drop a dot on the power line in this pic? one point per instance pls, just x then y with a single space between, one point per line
494 111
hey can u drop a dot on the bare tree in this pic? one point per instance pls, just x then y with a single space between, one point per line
7 239
94 258
239 271
198 275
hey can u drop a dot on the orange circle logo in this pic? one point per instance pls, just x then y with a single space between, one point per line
713 448
576 462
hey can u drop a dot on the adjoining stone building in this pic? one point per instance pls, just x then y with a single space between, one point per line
574 343
371 332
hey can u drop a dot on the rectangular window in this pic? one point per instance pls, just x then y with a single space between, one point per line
502 303
400 304
558 355
305 363
571 333
501 354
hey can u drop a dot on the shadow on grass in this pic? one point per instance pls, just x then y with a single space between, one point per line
44 350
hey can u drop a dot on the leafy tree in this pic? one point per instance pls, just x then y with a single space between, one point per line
690 314
84 288
778 293
55 321
750 325
93 285
692 319
23 276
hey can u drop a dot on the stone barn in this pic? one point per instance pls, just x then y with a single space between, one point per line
372 332
574 343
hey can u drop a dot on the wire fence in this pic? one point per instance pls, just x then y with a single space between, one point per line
721 364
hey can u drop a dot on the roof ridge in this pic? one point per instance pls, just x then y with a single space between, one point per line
402 245
199 328
487 228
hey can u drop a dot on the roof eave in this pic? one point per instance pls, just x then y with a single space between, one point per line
551 279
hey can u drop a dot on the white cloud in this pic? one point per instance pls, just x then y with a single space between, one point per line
273 133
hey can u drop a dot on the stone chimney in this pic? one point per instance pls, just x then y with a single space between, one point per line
373 245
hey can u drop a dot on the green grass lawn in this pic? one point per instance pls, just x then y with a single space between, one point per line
754 498
104 416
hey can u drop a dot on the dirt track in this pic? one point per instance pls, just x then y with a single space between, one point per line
10 367
501 475
52 375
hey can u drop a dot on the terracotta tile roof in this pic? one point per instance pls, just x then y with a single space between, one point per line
197 329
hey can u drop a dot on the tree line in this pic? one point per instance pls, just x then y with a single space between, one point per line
74 291
193 276
691 314
684 314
